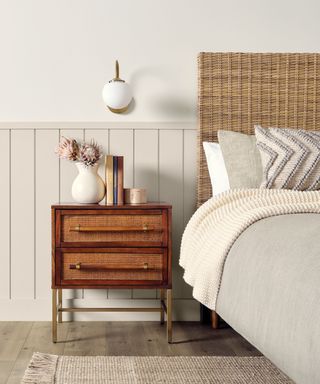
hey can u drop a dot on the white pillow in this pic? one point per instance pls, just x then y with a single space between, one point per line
217 168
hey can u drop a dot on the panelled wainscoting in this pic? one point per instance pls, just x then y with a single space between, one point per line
160 157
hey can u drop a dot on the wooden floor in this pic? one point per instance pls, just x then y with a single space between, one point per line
18 341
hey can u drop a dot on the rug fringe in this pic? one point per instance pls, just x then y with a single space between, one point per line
41 369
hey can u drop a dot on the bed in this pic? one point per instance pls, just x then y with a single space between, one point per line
269 286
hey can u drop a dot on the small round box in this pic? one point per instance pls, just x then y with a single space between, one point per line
135 196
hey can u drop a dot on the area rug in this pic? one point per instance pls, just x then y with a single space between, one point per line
54 369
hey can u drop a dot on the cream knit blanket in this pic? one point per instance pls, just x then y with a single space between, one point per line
218 223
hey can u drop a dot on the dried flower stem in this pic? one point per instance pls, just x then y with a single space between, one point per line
87 153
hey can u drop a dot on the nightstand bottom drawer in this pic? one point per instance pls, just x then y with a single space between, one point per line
138 266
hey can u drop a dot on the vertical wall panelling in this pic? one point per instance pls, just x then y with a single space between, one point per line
101 136
189 174
122 144
189 190
22 214
68 173
146 176
146 162
171 190
46 193
5 215
160 158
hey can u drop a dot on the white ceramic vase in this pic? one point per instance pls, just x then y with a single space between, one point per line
88 187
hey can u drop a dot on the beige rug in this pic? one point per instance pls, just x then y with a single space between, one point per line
54 369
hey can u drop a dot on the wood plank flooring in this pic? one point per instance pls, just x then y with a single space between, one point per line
18 341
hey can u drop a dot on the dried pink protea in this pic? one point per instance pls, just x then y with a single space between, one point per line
90 154
68 149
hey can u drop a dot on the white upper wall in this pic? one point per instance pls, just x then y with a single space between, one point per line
56 55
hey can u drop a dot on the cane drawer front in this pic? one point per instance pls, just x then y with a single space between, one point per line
105 266
111 227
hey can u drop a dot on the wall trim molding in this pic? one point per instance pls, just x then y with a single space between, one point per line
45 125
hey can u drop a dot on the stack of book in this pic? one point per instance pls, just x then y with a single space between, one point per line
114 179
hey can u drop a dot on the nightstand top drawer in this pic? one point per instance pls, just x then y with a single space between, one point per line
113 227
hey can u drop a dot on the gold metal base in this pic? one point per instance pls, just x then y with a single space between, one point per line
120 110
169 315
59 305
58 309
54 315
163 308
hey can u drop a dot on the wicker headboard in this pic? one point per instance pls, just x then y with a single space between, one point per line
238 90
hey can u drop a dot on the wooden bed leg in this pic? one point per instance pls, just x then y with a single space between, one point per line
214 320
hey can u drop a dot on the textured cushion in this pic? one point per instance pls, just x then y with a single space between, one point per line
290 158
242 159
217 169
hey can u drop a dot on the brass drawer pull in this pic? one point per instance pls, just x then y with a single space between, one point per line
111 267
80 228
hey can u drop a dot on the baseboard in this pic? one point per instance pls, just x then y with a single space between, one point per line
40 310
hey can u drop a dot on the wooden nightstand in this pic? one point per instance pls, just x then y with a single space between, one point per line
101 246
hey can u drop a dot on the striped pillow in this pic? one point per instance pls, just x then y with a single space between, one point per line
290 158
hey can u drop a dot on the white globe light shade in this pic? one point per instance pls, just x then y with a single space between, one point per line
117 95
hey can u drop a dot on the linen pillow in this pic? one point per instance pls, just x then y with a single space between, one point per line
242 159
290 158
217 169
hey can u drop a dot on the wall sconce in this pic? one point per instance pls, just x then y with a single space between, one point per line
117 94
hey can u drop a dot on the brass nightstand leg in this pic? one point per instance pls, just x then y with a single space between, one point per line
59 305
54 315
169 315
161 306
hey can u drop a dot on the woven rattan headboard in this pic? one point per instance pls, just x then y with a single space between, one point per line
238 90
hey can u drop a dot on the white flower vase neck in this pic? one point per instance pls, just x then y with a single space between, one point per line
88 187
